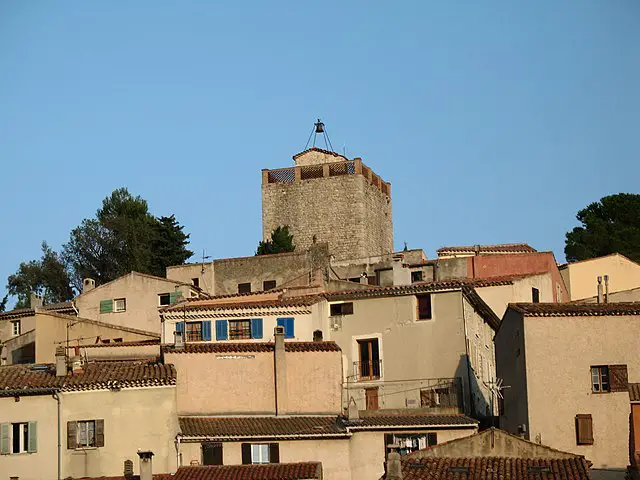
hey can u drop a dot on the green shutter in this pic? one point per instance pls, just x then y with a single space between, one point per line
106 306
4 438
33 437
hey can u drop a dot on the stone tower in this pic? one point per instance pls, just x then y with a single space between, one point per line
326 197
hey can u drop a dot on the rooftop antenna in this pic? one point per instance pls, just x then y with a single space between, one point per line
204 257
319 129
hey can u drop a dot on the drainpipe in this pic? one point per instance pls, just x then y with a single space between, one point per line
177 443
57 398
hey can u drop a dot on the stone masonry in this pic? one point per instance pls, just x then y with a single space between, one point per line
328 198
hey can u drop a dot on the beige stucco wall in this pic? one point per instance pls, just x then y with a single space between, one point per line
247 380
141 293
559 354
632 295
133 418
499 296
51 332
186 274
583 276
6 326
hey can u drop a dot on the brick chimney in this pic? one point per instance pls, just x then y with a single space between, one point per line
280 372
146 464
61 362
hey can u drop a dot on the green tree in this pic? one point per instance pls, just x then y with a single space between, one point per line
47 276
608 226
281 241
3 303
169 245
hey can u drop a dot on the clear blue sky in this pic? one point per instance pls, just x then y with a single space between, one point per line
495 121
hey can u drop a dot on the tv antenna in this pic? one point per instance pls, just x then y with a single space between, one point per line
204 257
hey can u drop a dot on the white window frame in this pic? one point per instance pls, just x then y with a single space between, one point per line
160 295
115 305
84 425
15 328
23 441
260 453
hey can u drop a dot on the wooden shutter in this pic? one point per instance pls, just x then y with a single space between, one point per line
584 429
221 330
256 328
106 306
424 307
347 308
618 378
4 438
99 433
72 435
246 453
212 453
33 437
274 453
206 330
432 439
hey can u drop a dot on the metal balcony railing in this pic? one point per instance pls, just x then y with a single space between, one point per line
368 370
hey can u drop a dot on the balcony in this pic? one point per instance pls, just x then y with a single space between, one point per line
366 371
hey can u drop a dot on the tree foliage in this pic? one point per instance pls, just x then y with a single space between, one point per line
121 238
281 241
611 225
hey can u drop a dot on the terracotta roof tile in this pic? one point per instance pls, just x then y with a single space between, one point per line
576 309
273 471
258 347
634 392
481 307
495 468
211 304
62 307
499 248
383 421
261 427
95 376
141 343
156 476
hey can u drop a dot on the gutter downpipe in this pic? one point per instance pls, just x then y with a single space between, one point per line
177 443
57 398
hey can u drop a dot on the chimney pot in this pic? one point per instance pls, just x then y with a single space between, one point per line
394 467
88 284
317 336
146 464
280 366
35 300
61 362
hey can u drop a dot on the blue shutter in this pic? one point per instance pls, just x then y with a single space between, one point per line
180 328
256 328
206 330
287 323
221 330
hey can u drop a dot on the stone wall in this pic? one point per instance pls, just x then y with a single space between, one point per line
348 212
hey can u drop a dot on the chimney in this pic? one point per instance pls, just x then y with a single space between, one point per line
353 413
88 284
600 299
394 467
61 362
364 278
401 274
128 469
606 289
76 362
317 336
35 300
146 464
178 342
280 371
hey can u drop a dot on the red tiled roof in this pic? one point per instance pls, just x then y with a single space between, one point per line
272 471
258 347
141 343
95 376
576 309
62 307
495 468
261 427
319 150
210 304
634 392
156 476
500 248
385 421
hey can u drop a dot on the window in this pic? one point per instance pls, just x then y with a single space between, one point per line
18 437
371 396
239 329
196 283
535 295
85 434
341 309
424 307
212 453
411 442
584 429
120 305
368 368
268 284
599 379
194 332
257 453
164 299
15 328
244 288
416 276
354 279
